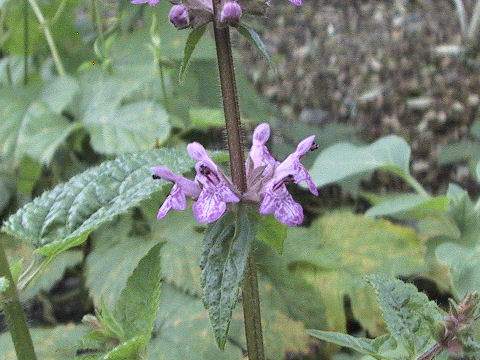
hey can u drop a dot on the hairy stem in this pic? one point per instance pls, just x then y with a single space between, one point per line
16 319
164 87
251 300
48 36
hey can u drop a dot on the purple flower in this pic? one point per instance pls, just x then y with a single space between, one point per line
231 12
182 188
150 2
179 16
296 2
266 181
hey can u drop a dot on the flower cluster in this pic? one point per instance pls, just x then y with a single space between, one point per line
193 13
266 179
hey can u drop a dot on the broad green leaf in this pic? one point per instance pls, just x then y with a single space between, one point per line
271 232
33 122
204 118
343 160
409 314
459 152
138 303
251 35
58 343
441 225
52 274
414 205
116 128
337 250
464 267
193 38
183 331
225 253
63 217
114 256
361 345
4 284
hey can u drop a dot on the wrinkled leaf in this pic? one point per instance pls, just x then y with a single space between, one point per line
224 257
271 232
139 301
63 217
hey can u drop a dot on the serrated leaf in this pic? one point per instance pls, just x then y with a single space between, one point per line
251 35
406 312
192 41
271 232
4 284
337 250
58 343
63 217
414 205
343 160
361 345
224 257
138 304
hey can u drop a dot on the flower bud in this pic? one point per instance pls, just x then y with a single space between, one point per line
179 16
231 12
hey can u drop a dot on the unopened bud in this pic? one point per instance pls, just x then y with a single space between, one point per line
231 12
179 16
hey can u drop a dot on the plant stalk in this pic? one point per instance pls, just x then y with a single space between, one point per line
250 295
48 35
16 319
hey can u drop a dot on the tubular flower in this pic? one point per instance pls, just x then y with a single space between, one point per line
179 16
231 12
266 179
149 2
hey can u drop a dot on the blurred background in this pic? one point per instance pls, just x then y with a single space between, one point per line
83 81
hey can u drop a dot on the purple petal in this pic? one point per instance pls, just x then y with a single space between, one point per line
305 146
153 2
136 2
208 207
164 172
175 200
301 174
261 134
286 210
198 153
296 2
227 195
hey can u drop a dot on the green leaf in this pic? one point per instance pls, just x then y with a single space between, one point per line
204 118
192 41
415 205
337 250
251 35
63 217
58 343
114 127
343 160
138 304
271 232
128 350
361 345
115 254
33 122
4 284
52 274
407 312
225 253
464 267
183 331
